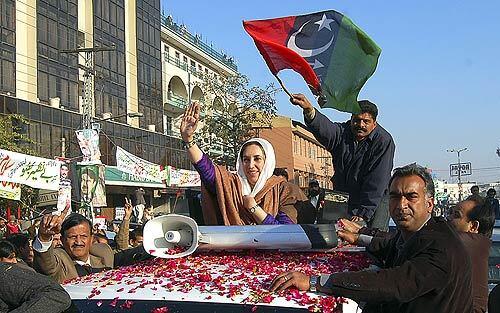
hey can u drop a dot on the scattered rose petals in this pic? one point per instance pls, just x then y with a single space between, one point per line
176 250
160 310
244 277
114 302
127 304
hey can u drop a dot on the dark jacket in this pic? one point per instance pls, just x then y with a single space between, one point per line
493 202
478 248
430 272
23 290
364 170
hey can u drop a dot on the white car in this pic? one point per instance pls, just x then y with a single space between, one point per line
212 282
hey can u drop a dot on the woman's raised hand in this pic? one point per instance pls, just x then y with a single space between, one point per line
189 121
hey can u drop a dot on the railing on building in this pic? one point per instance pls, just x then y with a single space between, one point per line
176 100
182 65
195 40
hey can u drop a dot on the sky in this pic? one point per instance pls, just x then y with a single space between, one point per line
437 84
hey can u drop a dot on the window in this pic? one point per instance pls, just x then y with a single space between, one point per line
149 64
8 49
57 29
177 55
109 86
167 53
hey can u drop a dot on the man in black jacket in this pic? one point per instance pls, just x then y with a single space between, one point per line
362 152
425 265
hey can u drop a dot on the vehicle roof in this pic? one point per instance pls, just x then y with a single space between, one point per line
224 277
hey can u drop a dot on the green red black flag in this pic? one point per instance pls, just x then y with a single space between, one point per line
334 56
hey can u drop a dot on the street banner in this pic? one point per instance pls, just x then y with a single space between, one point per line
183 178
29 170
115 177
11 191
333 55
88 140
129 163
99 199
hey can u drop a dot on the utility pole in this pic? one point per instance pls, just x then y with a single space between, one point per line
458 151
88 111
88 82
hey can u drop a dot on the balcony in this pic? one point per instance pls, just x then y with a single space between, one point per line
182 65
175 104
182 31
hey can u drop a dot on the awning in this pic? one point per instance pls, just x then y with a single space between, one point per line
114 177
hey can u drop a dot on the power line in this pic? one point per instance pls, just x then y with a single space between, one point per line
474 169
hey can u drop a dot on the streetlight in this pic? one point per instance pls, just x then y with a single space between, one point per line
458 151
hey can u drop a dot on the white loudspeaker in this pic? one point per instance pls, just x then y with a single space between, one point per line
174 236
168 235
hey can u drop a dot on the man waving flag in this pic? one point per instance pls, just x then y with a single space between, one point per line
333 55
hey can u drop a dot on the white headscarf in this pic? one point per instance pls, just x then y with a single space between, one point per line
265 173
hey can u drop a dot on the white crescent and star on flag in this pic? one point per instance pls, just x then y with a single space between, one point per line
313 55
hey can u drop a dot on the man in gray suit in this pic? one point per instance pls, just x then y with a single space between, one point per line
78 257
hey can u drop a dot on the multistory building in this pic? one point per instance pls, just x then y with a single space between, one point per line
152 69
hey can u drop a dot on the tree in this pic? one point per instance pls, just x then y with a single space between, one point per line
13 138
232 112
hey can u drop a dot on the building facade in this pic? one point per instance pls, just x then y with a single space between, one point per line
152 68
186 58
299 152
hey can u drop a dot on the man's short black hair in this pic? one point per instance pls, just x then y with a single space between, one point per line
6 249
100 235
417 170
313 182
367 106
19 241
484 213
476 198
74 219
281 171
136 233
491 191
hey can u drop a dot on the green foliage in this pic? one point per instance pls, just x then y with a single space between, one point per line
13 138
233 110
12 134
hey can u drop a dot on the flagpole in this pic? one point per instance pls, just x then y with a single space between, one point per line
283 86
